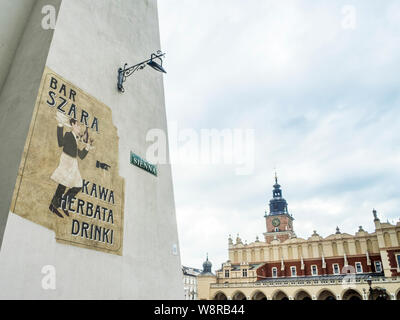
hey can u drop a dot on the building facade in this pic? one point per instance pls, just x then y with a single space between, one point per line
341 266
190 282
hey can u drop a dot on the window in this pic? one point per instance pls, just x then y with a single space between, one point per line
293 271
314 270
398 260
244 273
226 273
378 266
336 268
274 272
359 267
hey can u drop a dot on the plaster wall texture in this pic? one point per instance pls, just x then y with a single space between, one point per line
24 47
13 19
93 38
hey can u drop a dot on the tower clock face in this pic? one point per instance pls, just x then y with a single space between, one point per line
276 222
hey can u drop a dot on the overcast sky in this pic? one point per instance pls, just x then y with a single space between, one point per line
317 81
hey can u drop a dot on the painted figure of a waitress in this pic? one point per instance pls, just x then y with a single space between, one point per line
67 174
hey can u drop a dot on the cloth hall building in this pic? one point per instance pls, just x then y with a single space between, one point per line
284 267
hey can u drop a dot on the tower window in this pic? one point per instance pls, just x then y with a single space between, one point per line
293 271
244 273
274 272
276 229
226 273
314 270
336 268
378 266
359 267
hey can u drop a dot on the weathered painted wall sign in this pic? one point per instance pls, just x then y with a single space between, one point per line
61 183
143 164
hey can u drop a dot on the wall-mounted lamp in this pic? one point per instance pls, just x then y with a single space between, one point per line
128 71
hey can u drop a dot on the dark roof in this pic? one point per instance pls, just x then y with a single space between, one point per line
207 267
236 267
188 271
278 205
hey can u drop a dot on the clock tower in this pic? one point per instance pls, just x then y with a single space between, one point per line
279 221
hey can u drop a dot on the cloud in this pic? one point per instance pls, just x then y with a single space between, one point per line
323 101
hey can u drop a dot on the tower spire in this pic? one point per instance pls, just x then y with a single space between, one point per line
278 219
207 265
278 204
375 213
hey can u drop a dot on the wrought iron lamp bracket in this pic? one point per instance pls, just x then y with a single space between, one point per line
126 72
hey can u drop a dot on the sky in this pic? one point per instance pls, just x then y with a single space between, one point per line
317 85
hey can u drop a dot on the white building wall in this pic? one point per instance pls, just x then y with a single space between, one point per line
13 20
93 38
23 52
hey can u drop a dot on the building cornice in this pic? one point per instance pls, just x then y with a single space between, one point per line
330 238
306 281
